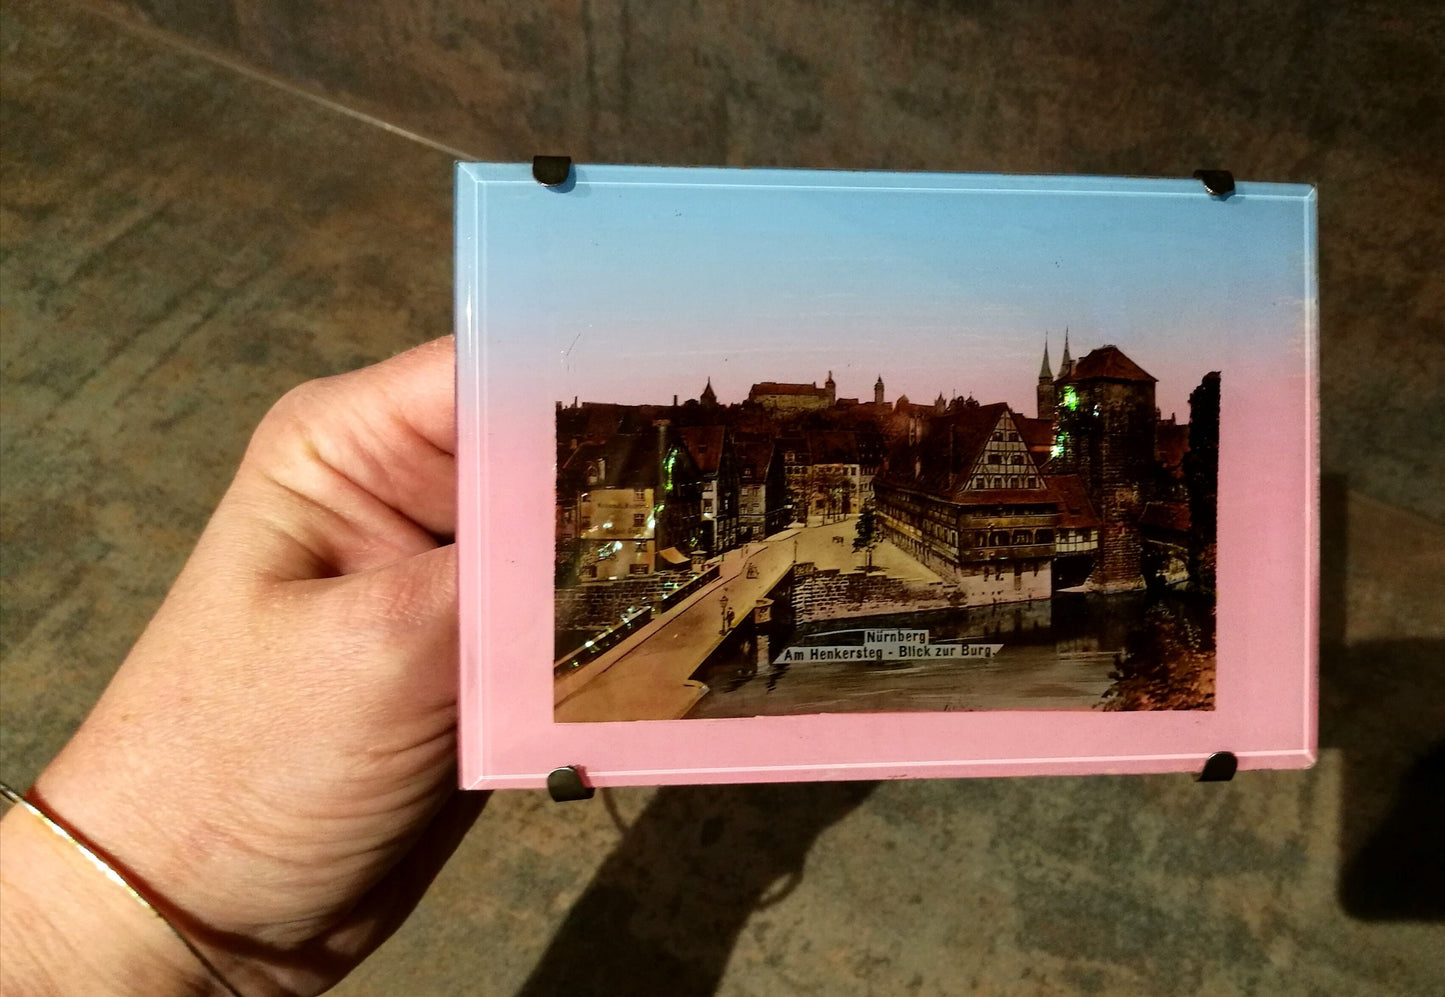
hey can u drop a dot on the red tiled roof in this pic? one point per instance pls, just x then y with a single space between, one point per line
833 446
1075 509
778 388
705 445
1110 364
754 458
623 460
947 454
1038 434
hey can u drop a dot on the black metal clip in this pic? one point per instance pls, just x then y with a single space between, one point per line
1219 767
1219 183
551 171
565 784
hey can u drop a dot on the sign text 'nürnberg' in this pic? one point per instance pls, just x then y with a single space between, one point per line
886 645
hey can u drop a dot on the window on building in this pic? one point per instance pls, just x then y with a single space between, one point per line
1022 537
997 436
589 571
639 494
637 568
1044 537
639 519
994 458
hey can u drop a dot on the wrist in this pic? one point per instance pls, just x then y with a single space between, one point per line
71 928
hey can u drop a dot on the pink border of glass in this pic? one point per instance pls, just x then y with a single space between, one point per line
1266 702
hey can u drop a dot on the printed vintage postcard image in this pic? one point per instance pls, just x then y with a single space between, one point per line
796 551
886 480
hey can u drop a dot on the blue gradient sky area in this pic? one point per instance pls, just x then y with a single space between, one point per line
642 291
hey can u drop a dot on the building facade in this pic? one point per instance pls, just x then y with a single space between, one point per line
628 506
763 505
711 450
970 503
784 398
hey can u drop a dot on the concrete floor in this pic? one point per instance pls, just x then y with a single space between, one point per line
183 241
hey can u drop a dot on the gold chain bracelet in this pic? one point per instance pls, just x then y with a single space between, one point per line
110 873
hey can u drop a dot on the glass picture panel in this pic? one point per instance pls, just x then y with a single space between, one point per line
897 455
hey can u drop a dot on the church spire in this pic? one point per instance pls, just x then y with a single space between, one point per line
1066 365
709 396
1044 390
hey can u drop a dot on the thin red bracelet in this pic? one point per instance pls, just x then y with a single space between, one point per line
111 873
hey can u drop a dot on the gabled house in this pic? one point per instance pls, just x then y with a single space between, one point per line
970 502
763 504
712 452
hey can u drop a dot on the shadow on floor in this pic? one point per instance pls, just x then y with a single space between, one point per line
1382 704
664 911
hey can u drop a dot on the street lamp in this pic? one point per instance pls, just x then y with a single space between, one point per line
723 603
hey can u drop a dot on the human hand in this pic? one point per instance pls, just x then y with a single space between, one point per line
273 764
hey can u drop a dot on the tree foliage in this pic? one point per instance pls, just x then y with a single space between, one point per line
1167 664
865 532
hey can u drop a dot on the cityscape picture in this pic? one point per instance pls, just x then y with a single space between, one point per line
872 453
796 551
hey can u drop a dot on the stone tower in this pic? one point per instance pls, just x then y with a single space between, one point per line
1045 389
878 391
1105 435
832 388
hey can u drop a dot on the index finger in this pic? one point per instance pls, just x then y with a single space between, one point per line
359 469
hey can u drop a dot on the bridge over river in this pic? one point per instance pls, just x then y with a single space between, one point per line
647 676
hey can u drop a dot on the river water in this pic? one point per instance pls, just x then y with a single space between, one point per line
1055 655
